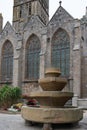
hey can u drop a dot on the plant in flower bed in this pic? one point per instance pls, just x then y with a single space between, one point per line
9 95
30 101
18 106
15 107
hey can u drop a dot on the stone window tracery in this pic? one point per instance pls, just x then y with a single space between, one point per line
32 58
60 56
7 62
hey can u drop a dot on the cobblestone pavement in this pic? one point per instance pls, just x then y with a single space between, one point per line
15 122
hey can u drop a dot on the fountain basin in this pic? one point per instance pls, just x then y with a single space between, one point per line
52 115
52 98
52 102
52 83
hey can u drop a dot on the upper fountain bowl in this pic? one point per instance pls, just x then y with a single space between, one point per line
52 72
52 81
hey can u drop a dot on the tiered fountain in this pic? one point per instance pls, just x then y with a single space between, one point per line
52 101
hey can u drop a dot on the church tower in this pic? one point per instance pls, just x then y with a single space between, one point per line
24 9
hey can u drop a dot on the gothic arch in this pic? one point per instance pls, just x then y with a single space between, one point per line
32 58
7 61
60 51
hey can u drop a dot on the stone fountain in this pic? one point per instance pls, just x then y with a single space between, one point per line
52 102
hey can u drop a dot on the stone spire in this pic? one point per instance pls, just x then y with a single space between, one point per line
60 2
1 22
86 12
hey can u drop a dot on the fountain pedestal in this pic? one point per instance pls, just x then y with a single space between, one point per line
47 127
52 101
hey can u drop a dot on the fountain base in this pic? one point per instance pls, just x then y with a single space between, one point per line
52 115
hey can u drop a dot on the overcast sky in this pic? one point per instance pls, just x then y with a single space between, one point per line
76 8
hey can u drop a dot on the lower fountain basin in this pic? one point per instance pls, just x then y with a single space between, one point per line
52 115
51 98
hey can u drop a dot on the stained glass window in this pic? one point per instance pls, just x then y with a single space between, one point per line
32 58
7 62
61 51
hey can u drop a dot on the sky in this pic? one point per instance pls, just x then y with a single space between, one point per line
76 8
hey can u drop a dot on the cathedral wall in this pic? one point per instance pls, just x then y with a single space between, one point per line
37 29
68 27
84 78
8 34
84 58
77 80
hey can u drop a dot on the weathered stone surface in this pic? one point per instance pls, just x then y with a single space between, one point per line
52 115
51 98
47 127
52 83
52 103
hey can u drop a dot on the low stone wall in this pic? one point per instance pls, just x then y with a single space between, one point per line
82 103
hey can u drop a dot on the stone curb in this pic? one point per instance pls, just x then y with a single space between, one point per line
9 112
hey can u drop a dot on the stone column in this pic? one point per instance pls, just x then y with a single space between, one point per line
17 66
42 56
77 63
15 71
48 53
76 71
42 64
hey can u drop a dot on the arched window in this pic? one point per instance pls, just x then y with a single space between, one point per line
7 62
32 58
61 51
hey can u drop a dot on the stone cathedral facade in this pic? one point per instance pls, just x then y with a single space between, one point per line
33 43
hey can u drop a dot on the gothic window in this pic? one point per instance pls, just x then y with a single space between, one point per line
60 56
32 58
17 14
21 11
7 62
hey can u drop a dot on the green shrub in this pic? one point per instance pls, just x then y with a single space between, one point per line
9 95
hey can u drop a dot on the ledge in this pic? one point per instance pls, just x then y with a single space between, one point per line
29 81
